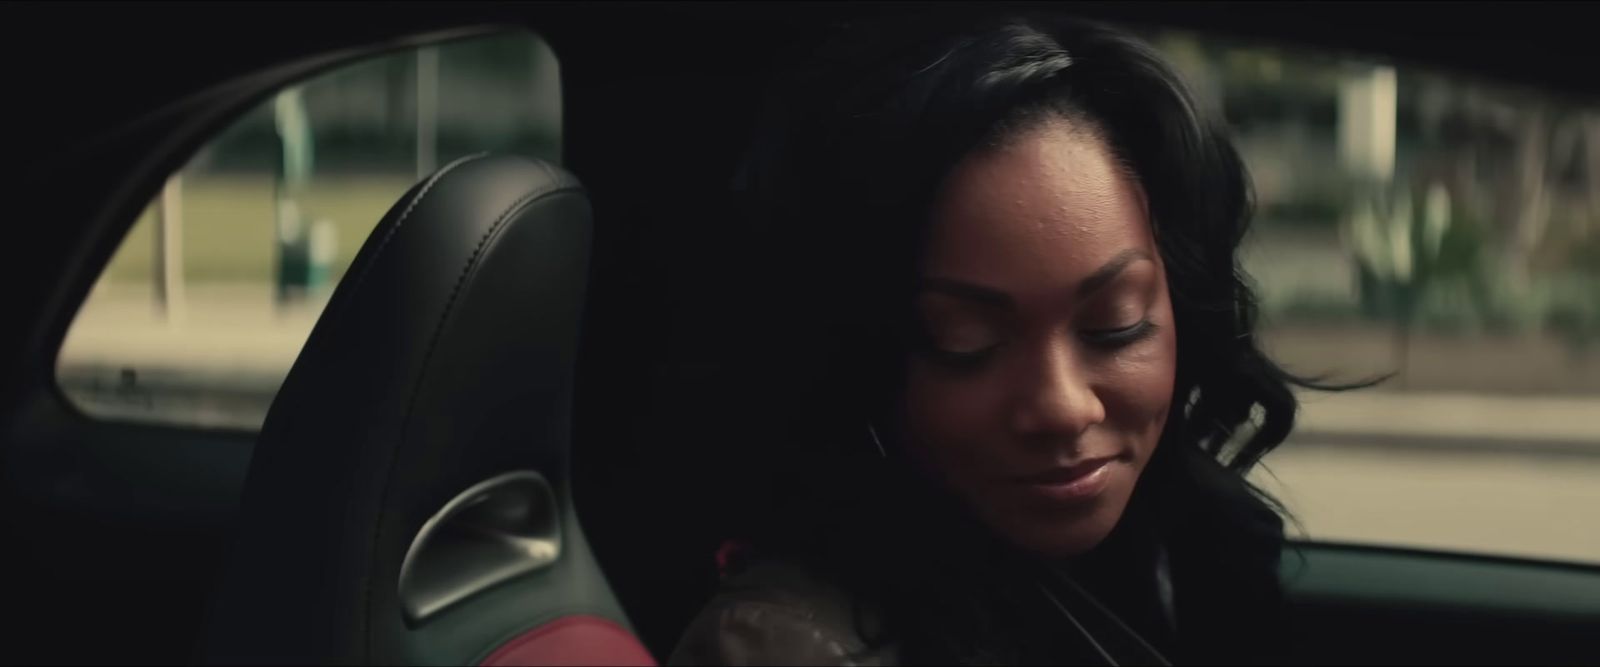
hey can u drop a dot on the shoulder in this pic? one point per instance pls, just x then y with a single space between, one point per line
780 612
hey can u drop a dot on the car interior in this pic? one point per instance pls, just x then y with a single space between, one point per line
494 446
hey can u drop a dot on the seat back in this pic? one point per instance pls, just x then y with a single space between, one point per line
409 499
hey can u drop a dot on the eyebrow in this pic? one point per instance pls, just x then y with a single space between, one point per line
990 296
1110 270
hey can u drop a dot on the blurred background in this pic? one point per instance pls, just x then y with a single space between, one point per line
208 300
1439 228
1445 230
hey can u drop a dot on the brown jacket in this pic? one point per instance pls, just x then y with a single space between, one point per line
777 613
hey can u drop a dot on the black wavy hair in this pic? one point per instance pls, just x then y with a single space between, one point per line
840 182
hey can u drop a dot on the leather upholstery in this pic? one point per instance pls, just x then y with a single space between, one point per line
445 357
573 641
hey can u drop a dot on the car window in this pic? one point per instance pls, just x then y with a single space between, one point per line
1429 225
1444 229
205 305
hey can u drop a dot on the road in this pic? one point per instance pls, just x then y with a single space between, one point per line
1538 504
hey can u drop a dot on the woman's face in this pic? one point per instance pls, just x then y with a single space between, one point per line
1046 370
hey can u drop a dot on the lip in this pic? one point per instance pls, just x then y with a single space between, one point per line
1070 484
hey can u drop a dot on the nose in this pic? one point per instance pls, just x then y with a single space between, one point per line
1054 396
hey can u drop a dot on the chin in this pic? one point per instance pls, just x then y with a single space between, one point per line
1061 533
1056 539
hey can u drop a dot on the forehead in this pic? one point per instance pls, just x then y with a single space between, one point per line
1043 210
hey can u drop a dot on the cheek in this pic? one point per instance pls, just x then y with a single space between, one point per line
946 419
1137 387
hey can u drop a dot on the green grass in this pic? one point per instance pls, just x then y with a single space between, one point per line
228 225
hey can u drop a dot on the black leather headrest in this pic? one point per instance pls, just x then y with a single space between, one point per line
444 357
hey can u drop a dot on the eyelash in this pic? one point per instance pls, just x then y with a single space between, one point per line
1116 338
1104 339
961 361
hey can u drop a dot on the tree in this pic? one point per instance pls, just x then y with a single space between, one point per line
1591 151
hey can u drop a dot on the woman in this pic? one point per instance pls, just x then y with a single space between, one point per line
1008 355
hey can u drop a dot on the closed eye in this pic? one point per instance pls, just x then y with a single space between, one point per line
961 361
1115 338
